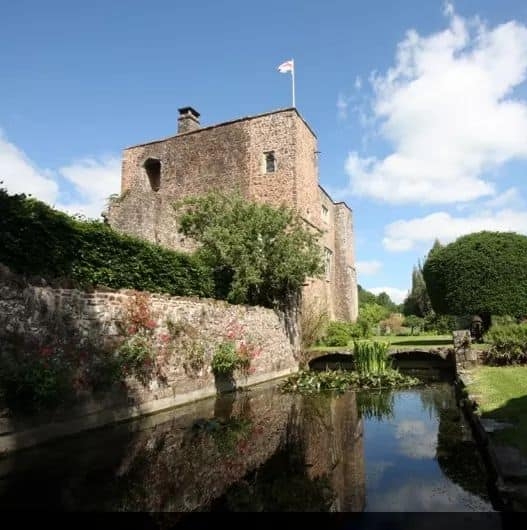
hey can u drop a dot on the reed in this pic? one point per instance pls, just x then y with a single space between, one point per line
371 357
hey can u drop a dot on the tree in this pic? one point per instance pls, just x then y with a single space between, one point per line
382 299
412 322
418 302
366 297
482 273
260 254
373 313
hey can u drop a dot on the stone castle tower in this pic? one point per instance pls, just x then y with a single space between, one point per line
271 158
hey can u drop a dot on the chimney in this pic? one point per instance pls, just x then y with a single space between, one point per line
188 120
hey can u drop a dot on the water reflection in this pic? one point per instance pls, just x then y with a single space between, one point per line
260 450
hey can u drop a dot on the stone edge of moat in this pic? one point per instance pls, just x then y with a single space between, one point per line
512 493
15 441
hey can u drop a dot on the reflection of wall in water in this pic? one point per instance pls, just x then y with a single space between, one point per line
333 434
188 468
189 458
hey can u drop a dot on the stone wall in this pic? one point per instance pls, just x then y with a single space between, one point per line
195 328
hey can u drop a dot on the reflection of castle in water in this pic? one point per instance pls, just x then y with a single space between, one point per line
263 451
259 450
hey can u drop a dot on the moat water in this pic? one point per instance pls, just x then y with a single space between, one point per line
261 450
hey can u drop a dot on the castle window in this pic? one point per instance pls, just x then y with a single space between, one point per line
270 162
153 170
327 263
325 213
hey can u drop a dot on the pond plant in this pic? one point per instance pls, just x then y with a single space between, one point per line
373 370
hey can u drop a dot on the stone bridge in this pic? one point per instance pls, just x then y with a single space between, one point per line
409 358
457 356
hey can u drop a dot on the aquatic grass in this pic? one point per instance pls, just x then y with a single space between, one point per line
371 357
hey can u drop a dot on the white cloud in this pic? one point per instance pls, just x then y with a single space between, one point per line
405 234
92 180
447 109
420 493
342 107
510 198
358 83
368 268
416 439
20 175
396 295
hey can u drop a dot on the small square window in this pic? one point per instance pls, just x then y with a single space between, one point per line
270 162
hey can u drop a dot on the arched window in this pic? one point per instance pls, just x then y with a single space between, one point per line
153 170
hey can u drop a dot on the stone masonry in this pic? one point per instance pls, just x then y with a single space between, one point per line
46 316
271 158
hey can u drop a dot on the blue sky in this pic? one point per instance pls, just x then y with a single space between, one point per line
420 108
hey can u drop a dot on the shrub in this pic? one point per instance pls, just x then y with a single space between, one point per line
501 320
359 330
364 329
508 344
313 324
226 359
35 378
405 332
338 334
262 254
391 324
37 240
441 324
31 381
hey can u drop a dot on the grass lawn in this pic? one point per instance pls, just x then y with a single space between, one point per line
421 342
501 393
417 341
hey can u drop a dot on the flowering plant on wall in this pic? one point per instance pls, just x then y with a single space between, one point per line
236 352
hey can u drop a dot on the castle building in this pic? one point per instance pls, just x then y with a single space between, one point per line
272 158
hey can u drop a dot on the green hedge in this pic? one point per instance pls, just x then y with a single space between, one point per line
37 240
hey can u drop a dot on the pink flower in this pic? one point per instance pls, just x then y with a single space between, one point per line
151 324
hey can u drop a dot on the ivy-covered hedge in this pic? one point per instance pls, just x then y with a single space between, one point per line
37 240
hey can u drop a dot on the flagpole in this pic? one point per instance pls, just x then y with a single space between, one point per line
293 82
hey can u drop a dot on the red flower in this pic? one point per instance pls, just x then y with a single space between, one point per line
46 351
151 324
